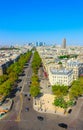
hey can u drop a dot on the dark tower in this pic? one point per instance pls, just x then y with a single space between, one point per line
64 43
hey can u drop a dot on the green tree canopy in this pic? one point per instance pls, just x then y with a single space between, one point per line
77 88
34 78
7 81
5 88
59 90
34 91
3 78
36 62
60 102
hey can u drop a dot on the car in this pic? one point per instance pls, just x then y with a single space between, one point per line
29 99
75 102
19 89
30 82
25 95
70 110
19 80
41 88
63 125
29 95
26 109
3 113
40 118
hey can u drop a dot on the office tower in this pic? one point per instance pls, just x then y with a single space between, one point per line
64 43
36 43
40 43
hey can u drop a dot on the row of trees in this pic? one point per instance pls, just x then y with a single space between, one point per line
72 92
3 78
64 56
67 56
76 89
17 67
7 80
36 63
34 87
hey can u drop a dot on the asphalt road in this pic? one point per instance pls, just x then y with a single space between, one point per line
29 119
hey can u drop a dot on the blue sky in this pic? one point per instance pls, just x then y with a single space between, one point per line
41 20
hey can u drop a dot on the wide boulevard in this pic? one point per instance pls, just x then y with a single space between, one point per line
20 119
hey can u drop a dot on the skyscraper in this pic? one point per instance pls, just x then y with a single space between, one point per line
64 43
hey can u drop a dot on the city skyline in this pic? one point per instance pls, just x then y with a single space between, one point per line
47 21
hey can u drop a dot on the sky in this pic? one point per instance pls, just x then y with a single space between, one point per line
23 21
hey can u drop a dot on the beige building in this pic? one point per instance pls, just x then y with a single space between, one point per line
60 76
77 68
4 66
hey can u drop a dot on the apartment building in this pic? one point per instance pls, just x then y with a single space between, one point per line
77 68
4 65
60 76
73 66
7 57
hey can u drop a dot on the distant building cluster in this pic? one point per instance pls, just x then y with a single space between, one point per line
64 70
40 44
9 56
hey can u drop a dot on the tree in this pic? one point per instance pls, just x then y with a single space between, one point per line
60 90
60 102
64 56
34 78
3 78
60 63
13 77
5 88
34 91
35 83
76 89
70 103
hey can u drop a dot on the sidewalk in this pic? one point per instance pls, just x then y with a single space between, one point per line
44 104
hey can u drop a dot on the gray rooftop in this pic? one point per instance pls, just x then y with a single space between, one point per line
73 63
61 72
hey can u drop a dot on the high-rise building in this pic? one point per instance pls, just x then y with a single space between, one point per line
64 43
40 43
36 44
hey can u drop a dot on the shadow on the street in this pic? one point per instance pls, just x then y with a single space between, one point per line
40 95
13 93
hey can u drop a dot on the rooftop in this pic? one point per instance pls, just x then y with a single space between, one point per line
73 63
61 71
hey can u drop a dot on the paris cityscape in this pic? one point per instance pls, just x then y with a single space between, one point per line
41 65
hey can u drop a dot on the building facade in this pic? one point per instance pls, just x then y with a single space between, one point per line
77 68
60 77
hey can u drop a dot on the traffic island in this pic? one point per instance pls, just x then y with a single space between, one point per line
44 104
